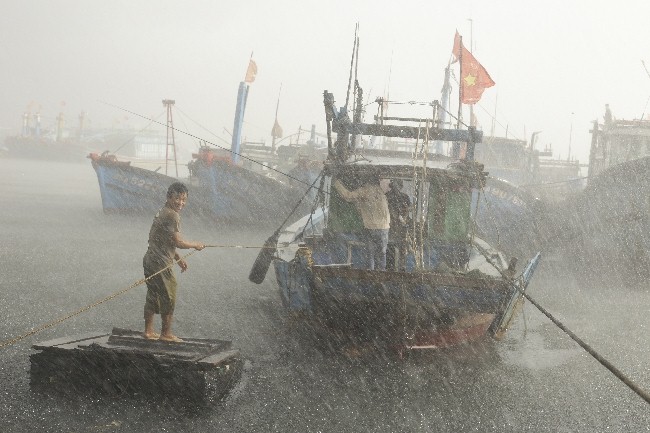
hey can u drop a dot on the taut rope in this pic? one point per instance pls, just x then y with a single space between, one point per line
55 322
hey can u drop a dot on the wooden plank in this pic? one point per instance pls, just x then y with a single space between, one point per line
177 355
67 340
167 347
218 358
137 336
81 344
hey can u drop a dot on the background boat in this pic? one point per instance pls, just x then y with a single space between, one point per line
607 226
222 182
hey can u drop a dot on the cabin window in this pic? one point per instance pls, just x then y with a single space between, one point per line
448 210
344 216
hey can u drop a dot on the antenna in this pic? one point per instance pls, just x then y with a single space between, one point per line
354 54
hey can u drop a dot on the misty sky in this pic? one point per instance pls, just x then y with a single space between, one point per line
555 63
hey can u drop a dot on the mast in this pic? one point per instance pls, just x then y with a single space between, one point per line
171 141
60 121
442 114
276 131
242 96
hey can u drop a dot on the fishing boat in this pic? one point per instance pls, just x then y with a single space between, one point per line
123 363
49 142
609 222
449 287
221 187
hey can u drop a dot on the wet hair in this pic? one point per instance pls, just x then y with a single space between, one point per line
176 188
396 184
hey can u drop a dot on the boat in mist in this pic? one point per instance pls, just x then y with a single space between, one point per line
442 284
608 224
221 183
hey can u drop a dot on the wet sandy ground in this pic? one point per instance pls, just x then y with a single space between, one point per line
59 252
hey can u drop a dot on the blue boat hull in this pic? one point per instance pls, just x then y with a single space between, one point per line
432 308
127 189
231 192
219 190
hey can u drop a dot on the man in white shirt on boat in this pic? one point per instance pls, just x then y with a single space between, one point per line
371 202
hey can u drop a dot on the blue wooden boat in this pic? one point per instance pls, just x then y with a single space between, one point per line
218 189
220 185
450 286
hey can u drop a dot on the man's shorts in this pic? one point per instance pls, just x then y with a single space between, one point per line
161 291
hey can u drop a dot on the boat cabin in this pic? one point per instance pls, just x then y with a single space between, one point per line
439 215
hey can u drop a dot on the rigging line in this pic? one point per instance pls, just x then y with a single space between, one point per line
183 120
488 113
134 135
354 46
197 123
315 206
608 365
89 306
300 201
233 246
499 123
209 142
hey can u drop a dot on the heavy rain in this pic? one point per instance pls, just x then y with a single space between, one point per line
418 218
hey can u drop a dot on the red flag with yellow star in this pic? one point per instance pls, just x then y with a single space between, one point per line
474 79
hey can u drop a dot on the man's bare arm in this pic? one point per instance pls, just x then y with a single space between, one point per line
181 243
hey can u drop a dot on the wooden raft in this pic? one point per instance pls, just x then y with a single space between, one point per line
123 362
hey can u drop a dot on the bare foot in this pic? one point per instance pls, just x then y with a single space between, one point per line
170 339
150 336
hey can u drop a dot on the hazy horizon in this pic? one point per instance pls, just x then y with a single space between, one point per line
555 64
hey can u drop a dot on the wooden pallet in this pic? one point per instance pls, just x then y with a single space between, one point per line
125 363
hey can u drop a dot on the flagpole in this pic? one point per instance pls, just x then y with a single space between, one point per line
460 86
277 107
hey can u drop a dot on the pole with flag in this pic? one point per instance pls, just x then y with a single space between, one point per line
242 96
474 79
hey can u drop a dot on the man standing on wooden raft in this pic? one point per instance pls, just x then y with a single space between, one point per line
164 238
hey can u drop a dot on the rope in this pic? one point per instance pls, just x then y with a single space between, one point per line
88 307
134 135
608 365
114 295
234 246
605 363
